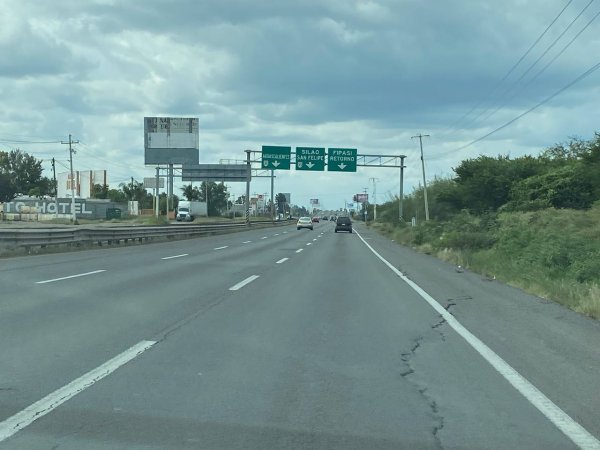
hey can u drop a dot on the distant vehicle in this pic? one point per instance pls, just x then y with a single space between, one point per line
304 222
343 223
315 219
187 211
325 218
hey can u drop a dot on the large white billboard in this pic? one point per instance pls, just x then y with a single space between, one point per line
171 140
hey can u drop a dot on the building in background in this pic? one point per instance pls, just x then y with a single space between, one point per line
83 184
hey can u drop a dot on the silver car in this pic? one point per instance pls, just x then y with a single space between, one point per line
304 222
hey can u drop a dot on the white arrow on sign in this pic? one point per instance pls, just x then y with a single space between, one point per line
310 165
342 166
275 163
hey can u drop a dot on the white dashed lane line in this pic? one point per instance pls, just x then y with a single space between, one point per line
47 404
70 276
282 260
243 283
246 242
299 250
309 243
221 248
176 256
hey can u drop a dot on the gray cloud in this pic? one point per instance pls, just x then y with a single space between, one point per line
364 73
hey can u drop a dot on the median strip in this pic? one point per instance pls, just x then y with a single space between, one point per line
243 283
47 404
70 276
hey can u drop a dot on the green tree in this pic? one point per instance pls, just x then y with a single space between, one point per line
116 195
484 183
100 191
21 174
191 193
280 201
216 199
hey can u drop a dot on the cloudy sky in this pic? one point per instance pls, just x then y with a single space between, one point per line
325 73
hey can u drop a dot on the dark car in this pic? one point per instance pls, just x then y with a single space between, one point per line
343 223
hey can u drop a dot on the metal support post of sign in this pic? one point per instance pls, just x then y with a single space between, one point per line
247 199
272 193
401 199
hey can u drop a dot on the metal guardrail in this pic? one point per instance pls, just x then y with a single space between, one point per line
28 238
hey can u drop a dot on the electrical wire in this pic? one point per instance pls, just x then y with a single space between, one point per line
544 53
533 108
510 71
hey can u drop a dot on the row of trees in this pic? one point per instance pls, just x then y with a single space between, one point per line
21 174
563 176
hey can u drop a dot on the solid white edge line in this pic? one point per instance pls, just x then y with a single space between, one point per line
221 248
579 435
176 256
243 283
299 250
47 404
282 260
70 276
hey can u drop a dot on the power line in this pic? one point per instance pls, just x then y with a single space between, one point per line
544 53
510 71
535 77
543 102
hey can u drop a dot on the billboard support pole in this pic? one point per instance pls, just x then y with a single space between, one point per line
170 196
157 191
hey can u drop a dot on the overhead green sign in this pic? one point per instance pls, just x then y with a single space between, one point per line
341 160
276 157
310 158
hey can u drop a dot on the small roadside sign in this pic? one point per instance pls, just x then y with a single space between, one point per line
310 158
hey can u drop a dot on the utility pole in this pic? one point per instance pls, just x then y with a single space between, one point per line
71 151
55 187
365 202
247 199
374 180
421 136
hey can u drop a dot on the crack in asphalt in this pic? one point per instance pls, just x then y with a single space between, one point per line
406 358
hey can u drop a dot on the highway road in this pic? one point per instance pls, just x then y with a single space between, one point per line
279 338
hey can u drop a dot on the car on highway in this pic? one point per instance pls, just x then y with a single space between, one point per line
343 223
304 222
315 219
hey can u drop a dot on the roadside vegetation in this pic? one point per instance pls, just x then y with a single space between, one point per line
532 222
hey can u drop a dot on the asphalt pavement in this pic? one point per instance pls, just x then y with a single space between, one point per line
279 338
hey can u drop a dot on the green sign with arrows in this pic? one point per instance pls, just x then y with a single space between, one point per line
276 157
310 158
341 160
